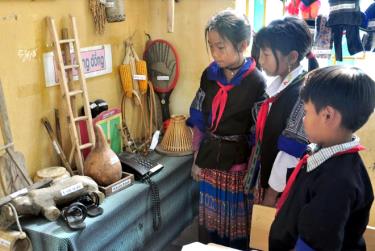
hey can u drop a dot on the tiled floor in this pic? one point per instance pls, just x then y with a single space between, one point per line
189 235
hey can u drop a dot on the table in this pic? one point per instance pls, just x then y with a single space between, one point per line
126 223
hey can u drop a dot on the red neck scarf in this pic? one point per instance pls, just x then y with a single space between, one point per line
295 172
262 117
218 104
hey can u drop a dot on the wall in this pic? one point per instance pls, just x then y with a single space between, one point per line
191 17
25 38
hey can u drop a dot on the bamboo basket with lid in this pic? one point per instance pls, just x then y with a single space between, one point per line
177 140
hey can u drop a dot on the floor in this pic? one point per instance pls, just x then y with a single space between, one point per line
188 235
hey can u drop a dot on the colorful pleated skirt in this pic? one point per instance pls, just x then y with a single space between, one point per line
224 209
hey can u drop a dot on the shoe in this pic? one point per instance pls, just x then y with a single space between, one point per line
91 201
74 215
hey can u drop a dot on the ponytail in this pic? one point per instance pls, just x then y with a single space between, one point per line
313 62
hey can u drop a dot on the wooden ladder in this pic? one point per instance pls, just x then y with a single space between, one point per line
69 93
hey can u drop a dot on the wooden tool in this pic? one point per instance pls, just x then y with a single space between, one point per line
170 16
13 170
56 145
24 191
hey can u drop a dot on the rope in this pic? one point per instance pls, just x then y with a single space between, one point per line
22 233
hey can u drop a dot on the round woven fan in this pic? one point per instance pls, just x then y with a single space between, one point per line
163 69
177 140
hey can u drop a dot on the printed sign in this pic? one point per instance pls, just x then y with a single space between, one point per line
96 61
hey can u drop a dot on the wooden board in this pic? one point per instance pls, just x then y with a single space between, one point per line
261 221
110 121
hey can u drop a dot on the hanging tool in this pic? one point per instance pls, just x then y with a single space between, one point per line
13 171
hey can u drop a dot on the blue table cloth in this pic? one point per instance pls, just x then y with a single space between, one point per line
126 223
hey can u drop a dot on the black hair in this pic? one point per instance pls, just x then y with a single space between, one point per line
286 35
347 89
231 26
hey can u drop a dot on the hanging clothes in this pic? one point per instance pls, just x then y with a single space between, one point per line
368 40
322 36
345 15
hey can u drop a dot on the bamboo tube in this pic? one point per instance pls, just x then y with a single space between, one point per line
14 241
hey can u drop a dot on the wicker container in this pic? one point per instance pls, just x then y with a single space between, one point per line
177 139
56 173
115 11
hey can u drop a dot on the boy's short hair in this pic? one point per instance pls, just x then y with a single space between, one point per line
347 89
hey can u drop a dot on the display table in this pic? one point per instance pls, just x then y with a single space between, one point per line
126 223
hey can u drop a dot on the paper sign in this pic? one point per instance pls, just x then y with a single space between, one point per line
96 61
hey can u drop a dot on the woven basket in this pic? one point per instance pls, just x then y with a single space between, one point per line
177 140
115 11
55 173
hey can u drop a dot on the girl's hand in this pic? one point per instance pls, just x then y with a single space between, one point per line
270 197
196 172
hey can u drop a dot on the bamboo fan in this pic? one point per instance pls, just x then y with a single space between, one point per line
177 140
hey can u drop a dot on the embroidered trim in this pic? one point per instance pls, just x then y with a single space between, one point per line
198 100
344 6
294 127
324 154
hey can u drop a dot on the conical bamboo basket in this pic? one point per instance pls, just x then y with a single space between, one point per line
177 140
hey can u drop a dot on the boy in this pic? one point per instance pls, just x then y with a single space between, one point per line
327 200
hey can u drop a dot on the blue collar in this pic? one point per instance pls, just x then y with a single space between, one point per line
215 73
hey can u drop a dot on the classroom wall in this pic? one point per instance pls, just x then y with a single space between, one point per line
25 38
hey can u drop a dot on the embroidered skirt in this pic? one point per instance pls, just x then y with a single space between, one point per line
224 209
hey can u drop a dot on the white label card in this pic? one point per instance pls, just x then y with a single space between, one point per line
54 143
155 140
139 77
160 78
114 160
121 185
23 191
71 189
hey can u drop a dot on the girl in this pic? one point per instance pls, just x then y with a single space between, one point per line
280 138
221 120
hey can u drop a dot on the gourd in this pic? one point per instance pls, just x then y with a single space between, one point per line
102 164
